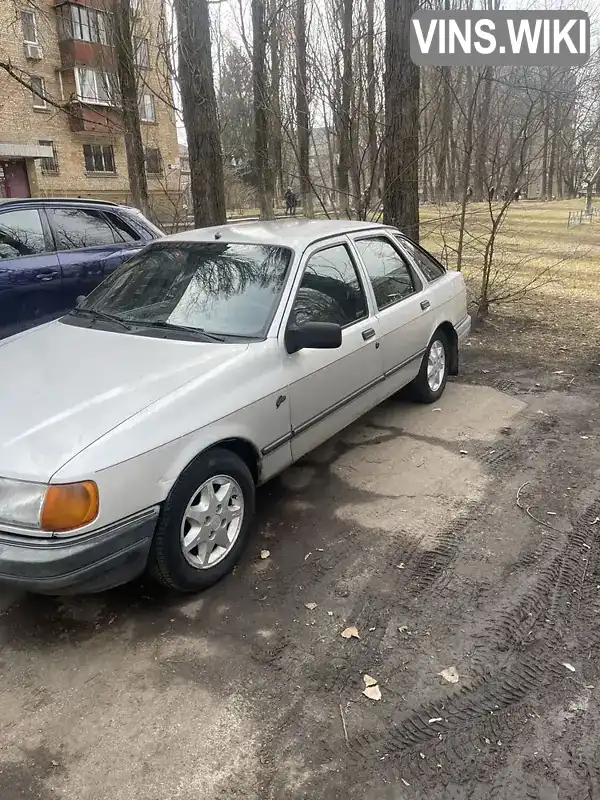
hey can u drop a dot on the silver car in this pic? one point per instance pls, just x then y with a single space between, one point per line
135 430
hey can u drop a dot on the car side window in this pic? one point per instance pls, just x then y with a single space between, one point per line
75 228
430 268
125 231
388 272
21 233
331 290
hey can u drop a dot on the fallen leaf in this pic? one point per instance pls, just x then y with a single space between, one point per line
401 564
570 667
450 675
330 613
307 556
436 719
349 633
265 553
372 692
310 606
584 437
403 628
551 513
464 452
369 681
596 521
406 783
422 755
372 629
487 741
437 409
559 371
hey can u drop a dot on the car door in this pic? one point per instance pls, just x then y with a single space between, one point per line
403 308
84 239
328 389
30 274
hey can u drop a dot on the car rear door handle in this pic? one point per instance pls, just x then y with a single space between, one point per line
425 304
368 334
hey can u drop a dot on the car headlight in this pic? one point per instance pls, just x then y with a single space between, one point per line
58 507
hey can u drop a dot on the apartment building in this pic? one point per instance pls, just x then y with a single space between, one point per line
66 138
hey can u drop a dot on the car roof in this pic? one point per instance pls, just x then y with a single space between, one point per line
294 233
18 201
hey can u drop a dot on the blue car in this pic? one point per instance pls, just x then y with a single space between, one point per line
54 250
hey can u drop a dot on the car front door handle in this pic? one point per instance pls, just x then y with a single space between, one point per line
46 276
425 304
368 334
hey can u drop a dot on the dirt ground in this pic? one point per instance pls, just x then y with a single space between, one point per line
463 535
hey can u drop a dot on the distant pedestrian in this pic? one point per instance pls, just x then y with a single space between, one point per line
505 194
469 192
491 193
517 195
290 199
294 203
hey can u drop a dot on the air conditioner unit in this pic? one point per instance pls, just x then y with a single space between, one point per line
33 52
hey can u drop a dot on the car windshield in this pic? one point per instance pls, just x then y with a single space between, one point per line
226 289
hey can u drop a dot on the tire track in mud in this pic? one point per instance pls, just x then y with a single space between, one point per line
527 667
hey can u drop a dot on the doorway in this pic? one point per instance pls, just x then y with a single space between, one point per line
13 179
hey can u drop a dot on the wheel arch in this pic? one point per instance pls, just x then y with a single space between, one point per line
239 446
447 328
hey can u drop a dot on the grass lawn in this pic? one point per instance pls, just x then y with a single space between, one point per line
557 321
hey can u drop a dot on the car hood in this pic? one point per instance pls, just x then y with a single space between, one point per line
63 387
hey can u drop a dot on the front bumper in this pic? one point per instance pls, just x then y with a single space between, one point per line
463 329
90 562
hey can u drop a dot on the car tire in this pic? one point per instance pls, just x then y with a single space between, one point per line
430 383
191 512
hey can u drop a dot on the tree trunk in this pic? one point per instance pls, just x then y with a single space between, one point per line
302 110
401 193
552 159
371 112
480 178
200 112
277 138
546 102
345 121
127 74
445 129
262 163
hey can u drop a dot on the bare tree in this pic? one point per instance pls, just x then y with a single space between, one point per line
200 112
302 109
401 191
262 165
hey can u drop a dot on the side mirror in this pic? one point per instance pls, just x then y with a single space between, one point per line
313 336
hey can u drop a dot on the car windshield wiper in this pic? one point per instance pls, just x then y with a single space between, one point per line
91 312
169 326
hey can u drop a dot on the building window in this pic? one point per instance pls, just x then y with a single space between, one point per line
89 25
29 26
38 93
99 158
49 165
147 109
142 52
153 161
95 87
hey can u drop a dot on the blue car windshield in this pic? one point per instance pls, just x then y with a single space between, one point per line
221 288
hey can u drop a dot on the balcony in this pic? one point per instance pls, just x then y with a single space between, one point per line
85 35
86 119
74 51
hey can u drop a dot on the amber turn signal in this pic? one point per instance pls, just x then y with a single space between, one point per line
69 505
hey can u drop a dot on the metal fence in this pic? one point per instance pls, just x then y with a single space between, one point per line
585 215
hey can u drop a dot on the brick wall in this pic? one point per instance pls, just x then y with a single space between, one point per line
20 123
